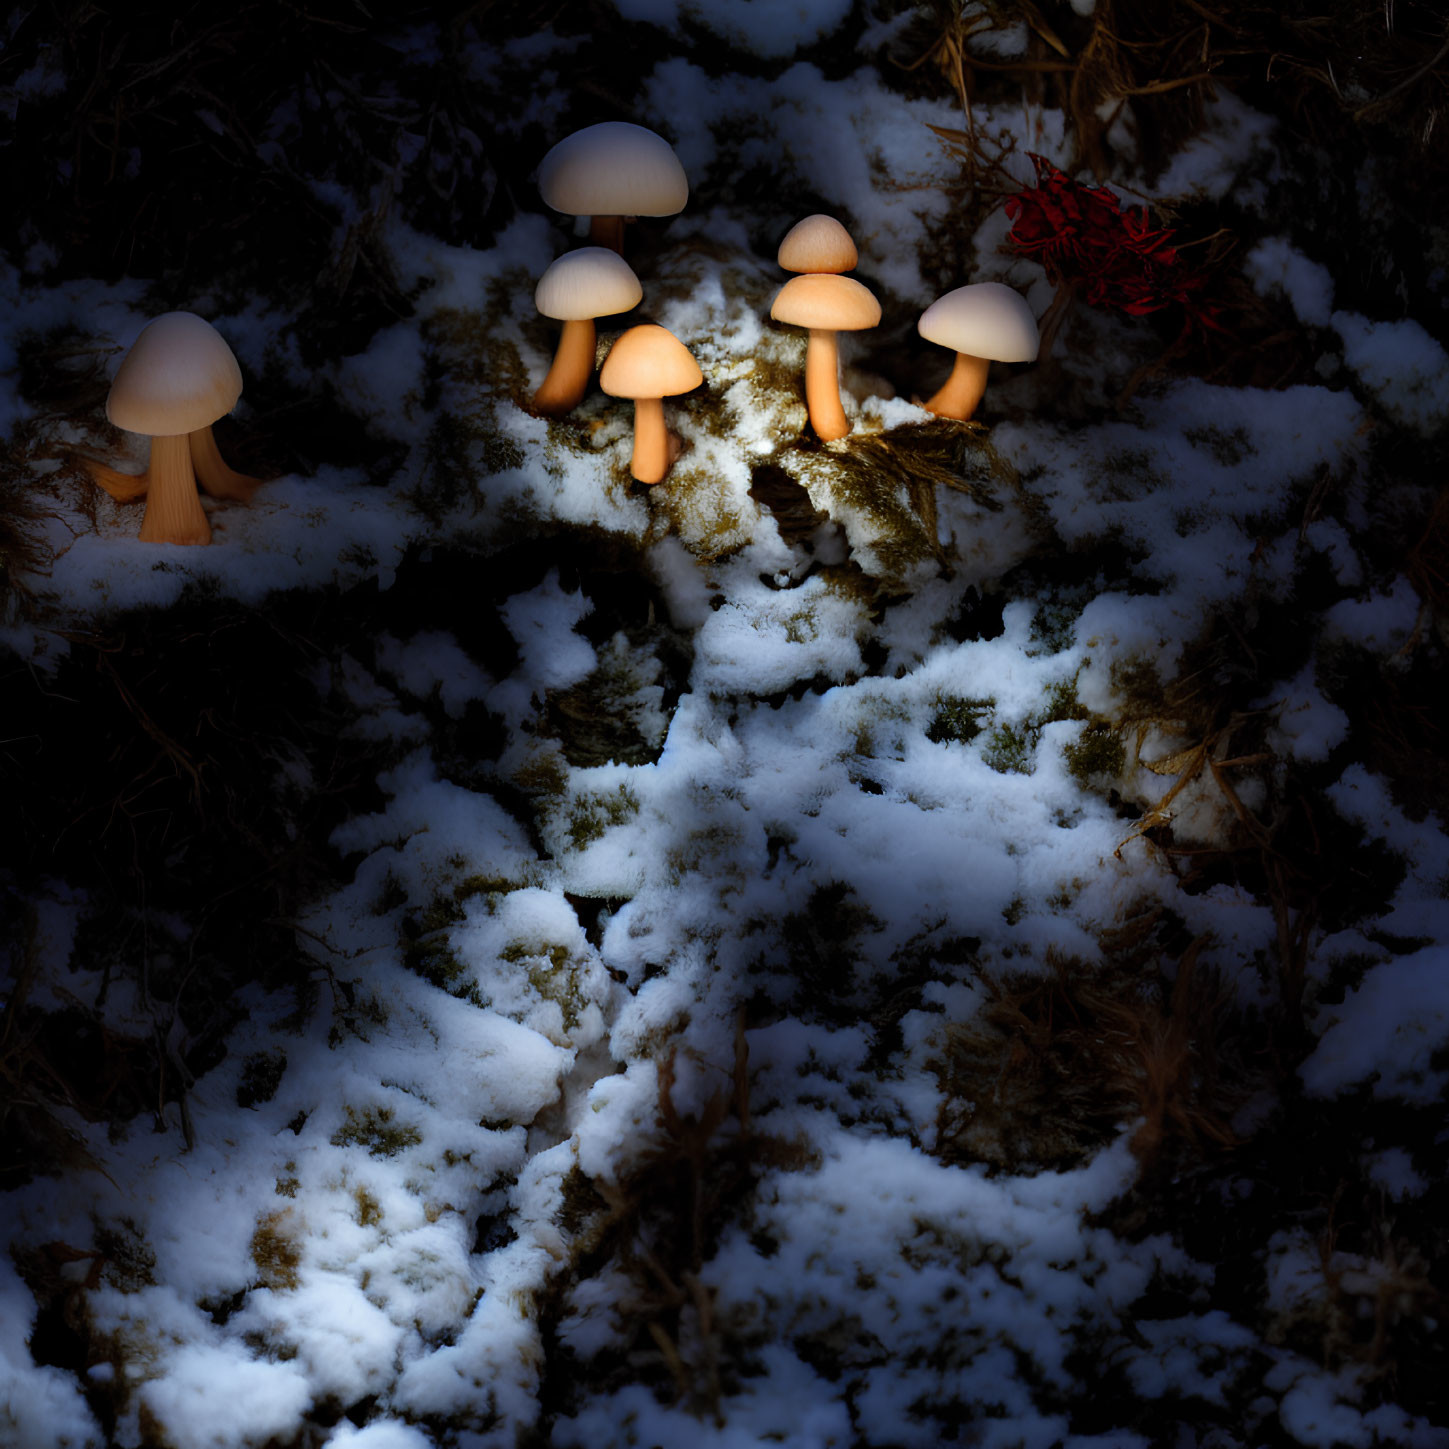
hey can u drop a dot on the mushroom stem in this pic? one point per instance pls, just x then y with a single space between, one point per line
173 509
607 231
212 472
651 441
963 390
573 364
123 487
822 386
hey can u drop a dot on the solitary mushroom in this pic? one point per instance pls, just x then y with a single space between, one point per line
818 244
178 378
826 304
984 322
579 286
649 364
612 172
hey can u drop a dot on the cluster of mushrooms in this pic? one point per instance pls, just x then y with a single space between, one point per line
180 376
614 171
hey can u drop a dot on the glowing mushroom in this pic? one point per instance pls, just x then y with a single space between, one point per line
612 172
826 304
984 322
578 287
818 244
178 378
649 364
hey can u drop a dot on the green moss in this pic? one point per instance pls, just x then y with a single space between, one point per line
704 508
460 449
1229 447
376 1130
392 894
1053 625
552 972
472 886
1099 752
1138 682
1008 750
544 774
617 713
591 815
369 1210
356 1016
823 943
129 1263
434 960
957 720
885 485
1128 473
276 1252
1062 703
260 1078
881 729
475 361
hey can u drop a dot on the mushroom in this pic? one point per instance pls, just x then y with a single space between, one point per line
818 244
577 287
649 364
983 322
826 304
178 378
611 172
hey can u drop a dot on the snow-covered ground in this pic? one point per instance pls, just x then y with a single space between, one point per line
854 996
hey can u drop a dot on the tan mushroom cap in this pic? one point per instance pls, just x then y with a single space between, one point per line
817 244
827 302
178 377
613 169
649 361
984 319
587 283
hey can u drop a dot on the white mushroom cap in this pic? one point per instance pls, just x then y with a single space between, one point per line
649 361
817 244
587 283
178 377
613 169
825 301
985 319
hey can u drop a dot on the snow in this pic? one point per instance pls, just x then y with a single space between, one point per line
1402 365
881 771
774 30
1274 265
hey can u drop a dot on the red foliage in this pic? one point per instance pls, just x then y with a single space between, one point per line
1085 239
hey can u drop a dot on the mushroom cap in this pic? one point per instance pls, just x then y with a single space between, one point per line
179 376
613 169
823 300
649 361
587 283
817 244
985 319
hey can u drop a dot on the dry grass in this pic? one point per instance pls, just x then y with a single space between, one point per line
1328 64
656 1226
1052 1065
